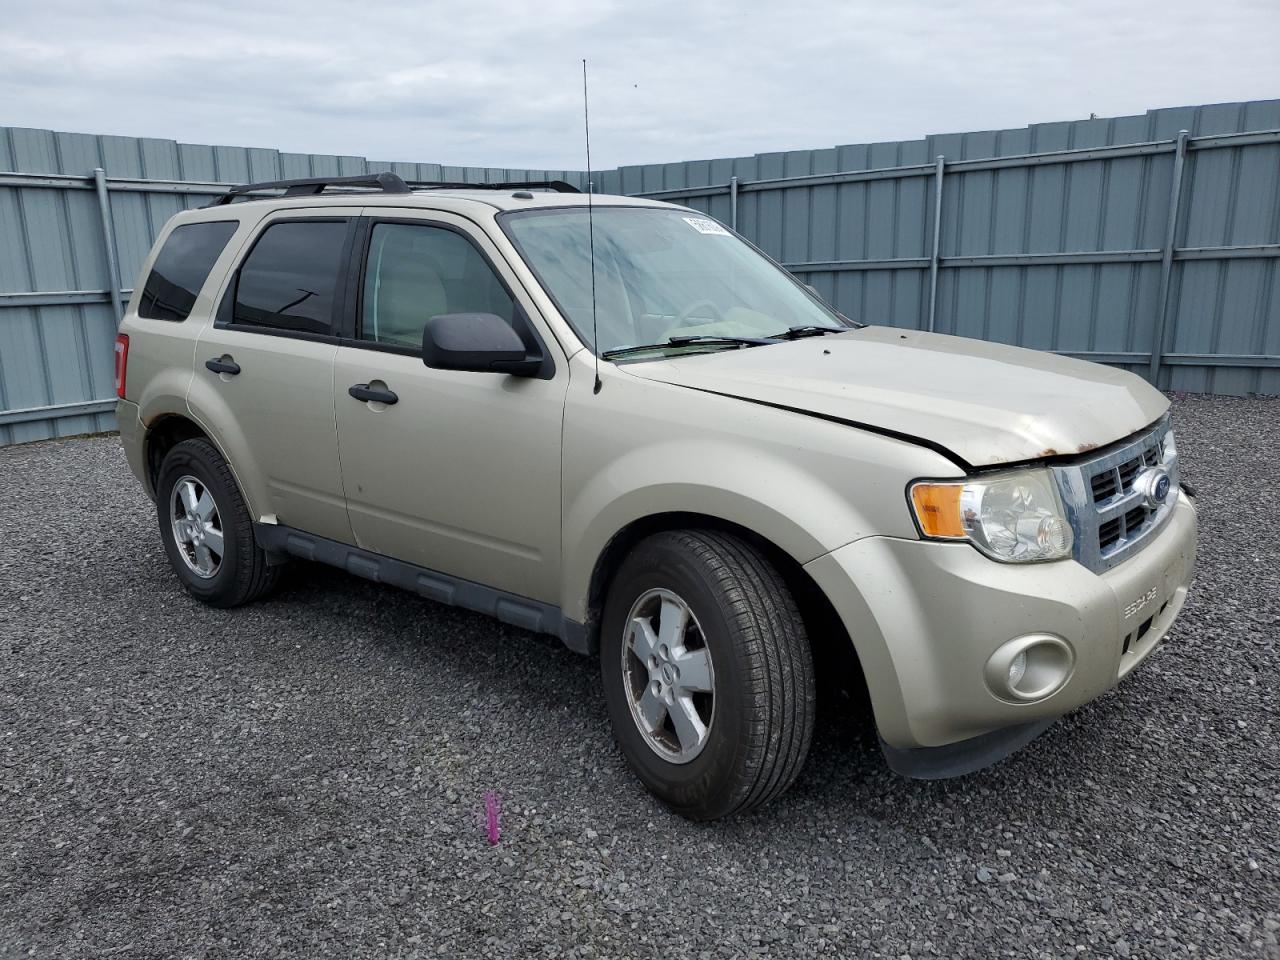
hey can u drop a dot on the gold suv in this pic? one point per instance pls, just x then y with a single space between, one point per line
618 422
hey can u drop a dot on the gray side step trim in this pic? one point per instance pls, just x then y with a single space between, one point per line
518 611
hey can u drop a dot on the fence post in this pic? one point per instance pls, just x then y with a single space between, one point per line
939 172
109 238
1166 261
733 202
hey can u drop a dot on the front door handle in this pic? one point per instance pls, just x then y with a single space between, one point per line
223 365
362 391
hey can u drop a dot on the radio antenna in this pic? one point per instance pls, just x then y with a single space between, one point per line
591 229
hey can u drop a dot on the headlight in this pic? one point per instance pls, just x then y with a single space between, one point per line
1014 517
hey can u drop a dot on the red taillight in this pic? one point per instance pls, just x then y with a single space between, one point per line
122 362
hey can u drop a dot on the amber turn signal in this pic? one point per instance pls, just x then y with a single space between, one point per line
937 507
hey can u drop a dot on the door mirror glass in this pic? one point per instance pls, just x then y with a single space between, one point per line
479 342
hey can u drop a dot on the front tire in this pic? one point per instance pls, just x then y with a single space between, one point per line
707 673
207 530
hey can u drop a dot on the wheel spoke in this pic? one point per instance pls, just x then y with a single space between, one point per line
652 709
695 670
181 533
213 540
187 491
204 559
675 617
204 508
689 726
641 640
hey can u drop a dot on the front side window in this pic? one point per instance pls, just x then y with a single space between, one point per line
289 278
414 273
181 268
659 273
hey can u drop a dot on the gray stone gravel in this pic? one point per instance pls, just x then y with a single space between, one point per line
305 777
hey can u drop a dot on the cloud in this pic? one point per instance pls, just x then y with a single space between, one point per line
499 84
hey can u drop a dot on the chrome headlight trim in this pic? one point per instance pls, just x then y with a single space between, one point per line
1011 516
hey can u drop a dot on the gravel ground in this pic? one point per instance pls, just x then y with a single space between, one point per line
305 777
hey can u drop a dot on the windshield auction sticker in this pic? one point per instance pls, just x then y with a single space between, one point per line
703 225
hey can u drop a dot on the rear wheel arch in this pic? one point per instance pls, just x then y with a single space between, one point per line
168 430
163 434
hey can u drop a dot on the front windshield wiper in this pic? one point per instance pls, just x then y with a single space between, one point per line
688 340
808 330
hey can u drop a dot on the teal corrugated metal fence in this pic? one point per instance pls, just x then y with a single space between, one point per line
1072 236
57 321
1116 239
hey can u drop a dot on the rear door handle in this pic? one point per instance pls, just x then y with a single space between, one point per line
362 391
221 365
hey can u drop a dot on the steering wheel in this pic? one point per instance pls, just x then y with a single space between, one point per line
693 308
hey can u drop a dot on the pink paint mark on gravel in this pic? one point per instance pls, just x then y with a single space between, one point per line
492 811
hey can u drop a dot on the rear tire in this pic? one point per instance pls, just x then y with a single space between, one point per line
207 530
681 600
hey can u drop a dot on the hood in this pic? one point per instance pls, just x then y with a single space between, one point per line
985 403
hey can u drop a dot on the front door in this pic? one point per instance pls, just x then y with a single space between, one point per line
461 474
264 372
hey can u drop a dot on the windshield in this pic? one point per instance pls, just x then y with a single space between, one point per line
659 273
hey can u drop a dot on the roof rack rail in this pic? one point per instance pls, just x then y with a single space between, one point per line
386 182
559 186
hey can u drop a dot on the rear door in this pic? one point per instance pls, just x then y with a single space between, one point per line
264 369
461 474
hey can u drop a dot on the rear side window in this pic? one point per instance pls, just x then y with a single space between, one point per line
182 267
289 278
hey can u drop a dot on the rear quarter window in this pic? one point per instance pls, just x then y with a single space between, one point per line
182 267
289 279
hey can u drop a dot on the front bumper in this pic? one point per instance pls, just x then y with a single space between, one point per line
925 617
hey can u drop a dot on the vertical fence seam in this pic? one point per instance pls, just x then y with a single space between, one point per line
108 236
1160 335
938 179
1224 267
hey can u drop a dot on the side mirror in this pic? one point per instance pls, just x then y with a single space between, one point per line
479 342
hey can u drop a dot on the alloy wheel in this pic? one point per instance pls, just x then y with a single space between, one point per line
668 674
197 527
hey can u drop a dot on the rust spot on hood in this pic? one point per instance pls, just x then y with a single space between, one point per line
1086 447
1047 452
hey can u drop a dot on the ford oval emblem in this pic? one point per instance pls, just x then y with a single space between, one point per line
1154 484
1161 491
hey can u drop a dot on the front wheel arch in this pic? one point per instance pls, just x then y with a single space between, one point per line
832 647
746 741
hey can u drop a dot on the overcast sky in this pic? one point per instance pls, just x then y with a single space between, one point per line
499 84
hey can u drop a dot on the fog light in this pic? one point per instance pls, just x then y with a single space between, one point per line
1018 669
1030 668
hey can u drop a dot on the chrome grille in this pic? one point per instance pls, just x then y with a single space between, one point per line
1111 519
1115 481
